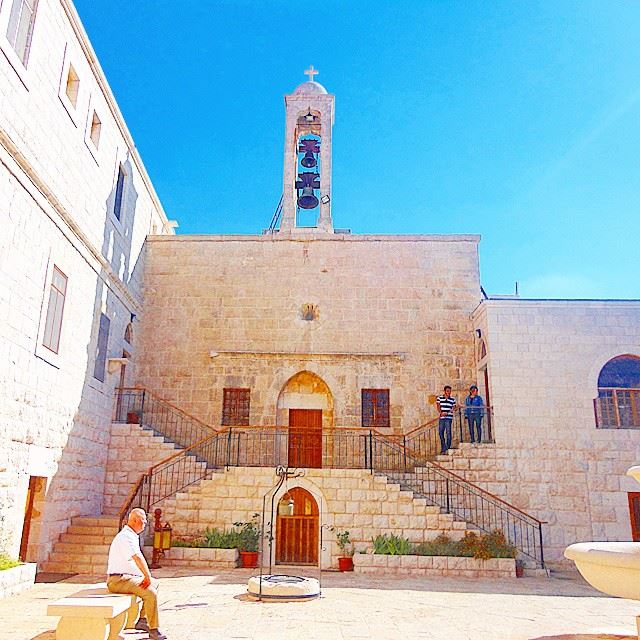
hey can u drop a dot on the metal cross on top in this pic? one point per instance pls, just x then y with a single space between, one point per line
311 72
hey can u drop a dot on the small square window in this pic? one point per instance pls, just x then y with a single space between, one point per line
73 86
375 408
235 407
94 133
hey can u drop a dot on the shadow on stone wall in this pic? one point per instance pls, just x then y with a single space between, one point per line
77 485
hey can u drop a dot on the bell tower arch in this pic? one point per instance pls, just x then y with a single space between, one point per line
307 155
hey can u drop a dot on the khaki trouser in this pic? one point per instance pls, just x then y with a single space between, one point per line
131 584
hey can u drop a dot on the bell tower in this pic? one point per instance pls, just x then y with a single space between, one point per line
307 155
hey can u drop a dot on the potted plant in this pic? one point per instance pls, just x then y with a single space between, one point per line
519 569
248 541
345 560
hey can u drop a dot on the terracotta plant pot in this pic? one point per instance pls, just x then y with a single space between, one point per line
132 417
519 570
345 564
249 559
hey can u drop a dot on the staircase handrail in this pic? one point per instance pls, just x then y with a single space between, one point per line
418 468
157 398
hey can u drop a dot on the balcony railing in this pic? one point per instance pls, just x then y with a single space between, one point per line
617 409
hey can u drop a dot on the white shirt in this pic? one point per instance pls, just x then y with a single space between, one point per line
124 546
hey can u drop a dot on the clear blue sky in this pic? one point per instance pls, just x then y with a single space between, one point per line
516 120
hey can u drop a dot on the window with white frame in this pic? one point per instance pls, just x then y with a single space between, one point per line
73 86
20 27
94 130
55 309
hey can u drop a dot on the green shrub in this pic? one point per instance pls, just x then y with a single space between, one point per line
210 539
488 545
8 563
391 545
248 533
216 539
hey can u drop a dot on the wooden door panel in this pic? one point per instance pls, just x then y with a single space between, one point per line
305 438
297 531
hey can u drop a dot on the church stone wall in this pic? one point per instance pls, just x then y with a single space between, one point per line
56 197
390 312
544 358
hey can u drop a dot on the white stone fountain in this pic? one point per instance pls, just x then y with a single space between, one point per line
610 567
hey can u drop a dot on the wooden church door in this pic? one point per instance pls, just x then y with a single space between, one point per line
305 438
297 528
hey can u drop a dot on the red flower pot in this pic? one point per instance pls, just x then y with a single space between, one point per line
345 564
132 417
249 559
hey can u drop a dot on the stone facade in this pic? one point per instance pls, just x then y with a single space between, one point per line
390 312
349 499
543 360
57 194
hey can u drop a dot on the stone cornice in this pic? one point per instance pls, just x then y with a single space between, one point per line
318 237
397 355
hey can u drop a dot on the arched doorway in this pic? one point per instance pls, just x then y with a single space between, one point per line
305 406
297 528
618 401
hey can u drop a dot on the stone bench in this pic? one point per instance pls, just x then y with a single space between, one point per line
95 614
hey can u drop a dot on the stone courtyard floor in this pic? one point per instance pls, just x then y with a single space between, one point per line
194 606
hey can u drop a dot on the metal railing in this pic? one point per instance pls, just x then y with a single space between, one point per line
140 406
617 408
466 501
424 441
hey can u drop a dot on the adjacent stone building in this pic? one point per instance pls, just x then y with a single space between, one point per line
297 328
76 206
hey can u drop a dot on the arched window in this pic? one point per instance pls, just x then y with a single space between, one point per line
618 403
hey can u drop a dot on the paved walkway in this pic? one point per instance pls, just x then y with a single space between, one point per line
211 607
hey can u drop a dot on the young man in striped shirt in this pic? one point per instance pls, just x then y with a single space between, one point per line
446 404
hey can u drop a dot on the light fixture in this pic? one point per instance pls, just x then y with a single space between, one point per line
309 117
325 199
479 333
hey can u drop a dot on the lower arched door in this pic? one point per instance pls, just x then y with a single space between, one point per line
297 528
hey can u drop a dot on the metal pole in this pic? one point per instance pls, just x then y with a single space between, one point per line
541 548
371 450
404 450
229 450
448 510
142 407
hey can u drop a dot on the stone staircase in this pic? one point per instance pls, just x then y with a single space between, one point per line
84 547
133 449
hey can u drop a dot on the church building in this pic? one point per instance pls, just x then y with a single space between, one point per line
141 367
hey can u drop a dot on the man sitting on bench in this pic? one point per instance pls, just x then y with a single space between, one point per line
128 572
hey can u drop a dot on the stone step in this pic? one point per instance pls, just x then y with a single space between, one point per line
74 538
98 560
95 521
64 567
92 531
98 550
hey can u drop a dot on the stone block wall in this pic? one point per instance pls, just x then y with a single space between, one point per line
131 452
544 358
355 500
57 192
389 312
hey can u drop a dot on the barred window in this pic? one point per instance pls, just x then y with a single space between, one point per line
375 408
117 203
53 323
235 407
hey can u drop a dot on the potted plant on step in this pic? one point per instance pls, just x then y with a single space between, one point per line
345 560
248 541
